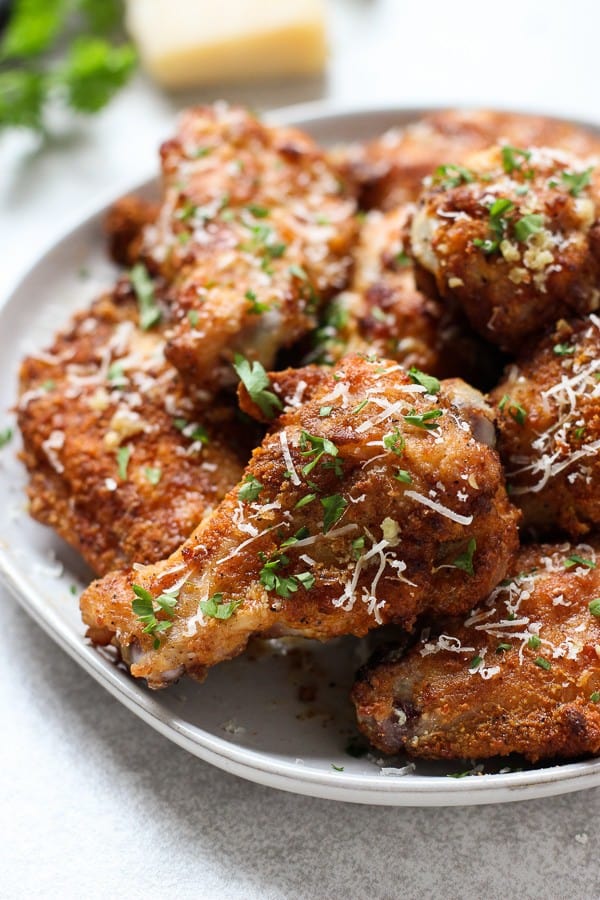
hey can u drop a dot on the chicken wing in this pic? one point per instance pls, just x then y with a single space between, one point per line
521 674
549 430
514 238
389 170
253 235
375 496
123 461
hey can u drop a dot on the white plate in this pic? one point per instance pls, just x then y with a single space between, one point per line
247 717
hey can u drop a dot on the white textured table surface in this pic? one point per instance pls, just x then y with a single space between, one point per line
93 803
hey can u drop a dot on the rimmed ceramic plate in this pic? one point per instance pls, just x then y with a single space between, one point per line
280 715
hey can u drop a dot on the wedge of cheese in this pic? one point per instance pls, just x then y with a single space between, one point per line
184 43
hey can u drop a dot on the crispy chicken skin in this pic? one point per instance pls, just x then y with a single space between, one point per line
124 226
383 312
389 170
520 675
549 430
123 462
253 235
514 238
352 513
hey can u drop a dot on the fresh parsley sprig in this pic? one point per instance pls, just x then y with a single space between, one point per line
256 381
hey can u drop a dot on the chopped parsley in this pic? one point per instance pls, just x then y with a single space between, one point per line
153 475
333 507
360 406
451 176
502 648
564 349
543 663
123 457
149 311
513 158
476 661
465 560
424 420
317 447
403 475
192 430
299 536
215 608
273 580
337 768
193 317
498 225
256 381
259 212
298 272
358 545
594 607
186 211
528 225
577 181
256 307
575 560
515 410
304 501
325 411
431 384
116 375
143 607
394 441
595 697
48 385
402 259
250 489
6 436
534 642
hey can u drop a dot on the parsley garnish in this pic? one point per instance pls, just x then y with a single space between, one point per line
298 272
465 560
431 384
501 648
256 381
149 311
215 608
543 663
273 580
358 545
256 307
193 317
498 225
577 181
452 176
143 607
116 375
476 661
319 446
360 406
259 212
123 456
394 441
424 420
528 225
575 560
186 211
403 475
250 489
595 696
325 411
192 430
534 642
334 507
564 349
152 475
513 158
337 768
6 436
515 410
594 606
304 501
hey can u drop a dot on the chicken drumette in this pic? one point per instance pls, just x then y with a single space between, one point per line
514 238
549 422
521 674
376 496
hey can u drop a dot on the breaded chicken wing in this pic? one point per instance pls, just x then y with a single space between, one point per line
253 235
389 170
549 430
123 461
521 674
359 508
514 238
383 312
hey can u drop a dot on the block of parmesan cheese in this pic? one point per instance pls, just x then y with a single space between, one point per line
185 43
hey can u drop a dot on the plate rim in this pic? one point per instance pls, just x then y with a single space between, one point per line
257 765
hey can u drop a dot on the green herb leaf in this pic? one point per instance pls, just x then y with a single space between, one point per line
255 380
394 441
476 661
513 158
149 311
431 384
317 447
515 410
123 456
528 225
543 663
325 411
93 71
216 608
465 560
594 607
564 349
534 642
22 96
143 607
33 27
153 475
424 420
334 507
304 501
487 245
6 436
298 272
577 181
193 317
595 696
451 176
116 375
259 212
501 648
575 560
250 489
337 768
256 307
403 475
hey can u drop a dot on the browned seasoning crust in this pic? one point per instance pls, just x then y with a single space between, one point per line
389 169
253 235
364 549
384 313
514 240
549 430
124 226
520 675
110 470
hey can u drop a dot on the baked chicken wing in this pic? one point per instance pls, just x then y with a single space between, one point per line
549 430
376 496
123 461
253 234
514 238
520 674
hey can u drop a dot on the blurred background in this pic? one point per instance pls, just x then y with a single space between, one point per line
524 55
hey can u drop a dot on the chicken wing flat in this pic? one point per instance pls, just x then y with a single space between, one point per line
549 430
514 238
376 496
389 170
520 675
383 312
123 462
253 235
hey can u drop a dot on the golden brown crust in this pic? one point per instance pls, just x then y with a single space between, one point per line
520 675
549 430
103 389
124 225
515 240
358 516
253 235
389 170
